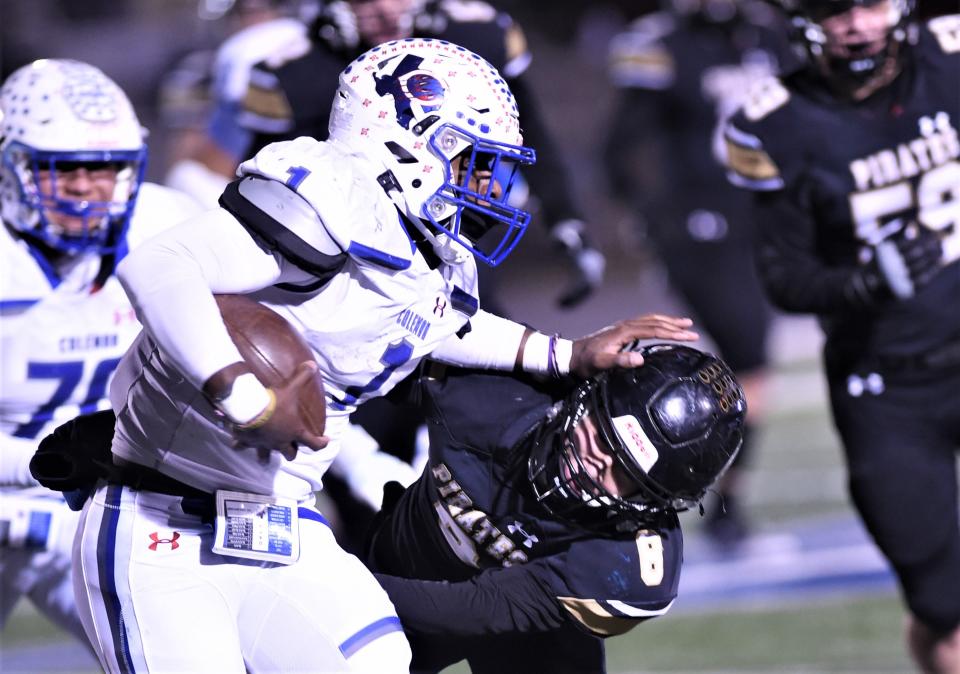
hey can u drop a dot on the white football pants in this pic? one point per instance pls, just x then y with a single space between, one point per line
154 598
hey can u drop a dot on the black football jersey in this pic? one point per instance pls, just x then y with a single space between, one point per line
472 513
679 78
848 175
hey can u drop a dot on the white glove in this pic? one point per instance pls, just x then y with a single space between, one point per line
366 469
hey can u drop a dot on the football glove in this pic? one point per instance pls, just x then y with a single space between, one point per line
901 264
587 263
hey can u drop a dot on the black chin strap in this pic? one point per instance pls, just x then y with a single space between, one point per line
423 245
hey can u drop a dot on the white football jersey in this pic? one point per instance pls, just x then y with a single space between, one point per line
60 341
369 325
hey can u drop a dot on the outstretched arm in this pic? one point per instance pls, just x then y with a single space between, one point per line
500 344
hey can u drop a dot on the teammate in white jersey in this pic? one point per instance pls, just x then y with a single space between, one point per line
366 244
71 162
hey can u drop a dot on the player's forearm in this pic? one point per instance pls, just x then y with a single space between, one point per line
171 280
497 343
492 603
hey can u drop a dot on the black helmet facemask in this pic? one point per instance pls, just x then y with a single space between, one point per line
850 72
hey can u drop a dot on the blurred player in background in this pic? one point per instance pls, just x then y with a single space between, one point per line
854 160
550 508
366 243
72 158
203 163
290 95
680 73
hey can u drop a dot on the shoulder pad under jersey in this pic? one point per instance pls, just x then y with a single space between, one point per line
338 201
265 107
617 583
747 160
947 31
639 58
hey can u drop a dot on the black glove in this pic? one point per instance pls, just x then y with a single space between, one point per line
75 456
901 264
588 262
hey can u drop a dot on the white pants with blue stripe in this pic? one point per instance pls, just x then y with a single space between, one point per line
154 598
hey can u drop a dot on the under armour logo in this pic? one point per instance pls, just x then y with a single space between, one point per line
172 542
439 307
528 539
872 383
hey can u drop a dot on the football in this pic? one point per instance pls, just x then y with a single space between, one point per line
273 349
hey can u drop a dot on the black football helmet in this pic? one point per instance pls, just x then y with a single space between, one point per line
674 425
849 72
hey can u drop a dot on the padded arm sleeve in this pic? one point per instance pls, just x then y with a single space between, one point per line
494 602
491 344
171 279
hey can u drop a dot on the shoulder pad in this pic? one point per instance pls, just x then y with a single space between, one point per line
747 162
617 583
515 47
342 192
765 96
639 58
265 107
947 31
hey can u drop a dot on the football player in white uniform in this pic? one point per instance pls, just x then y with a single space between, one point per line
366 244
72 157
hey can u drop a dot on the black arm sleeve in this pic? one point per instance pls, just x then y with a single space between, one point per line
795 278
634 155
496 601
549 178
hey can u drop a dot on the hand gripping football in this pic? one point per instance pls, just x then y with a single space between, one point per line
273 349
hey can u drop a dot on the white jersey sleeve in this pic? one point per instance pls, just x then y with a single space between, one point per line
171 280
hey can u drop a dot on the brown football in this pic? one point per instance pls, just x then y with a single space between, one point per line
273 349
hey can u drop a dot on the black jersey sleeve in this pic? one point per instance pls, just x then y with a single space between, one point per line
793 274
496 601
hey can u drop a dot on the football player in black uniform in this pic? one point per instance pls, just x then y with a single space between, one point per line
289 96
680 73
546 518
854 160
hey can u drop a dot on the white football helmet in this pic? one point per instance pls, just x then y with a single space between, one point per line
59 115
443 124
